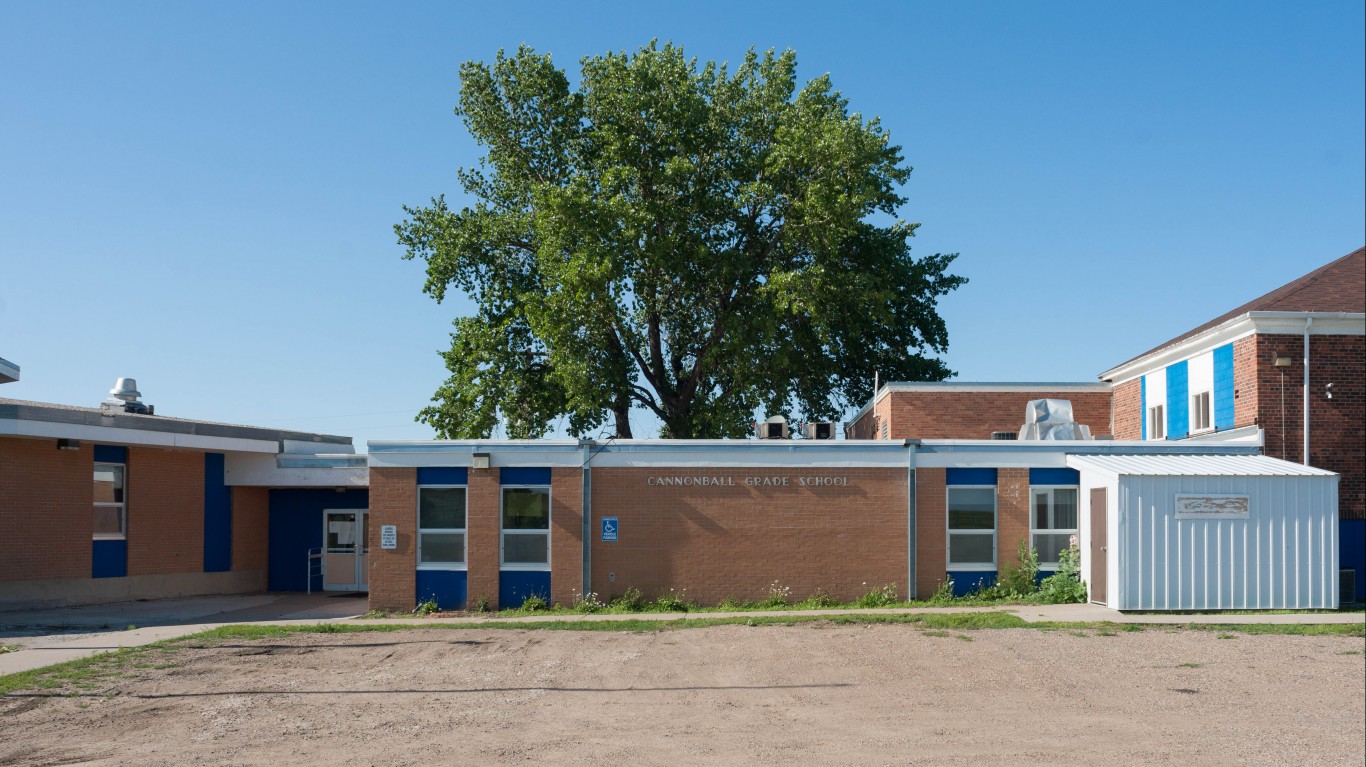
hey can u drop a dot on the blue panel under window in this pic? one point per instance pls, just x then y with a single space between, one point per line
514 586
1223 387
524 476
433 475
447 587
1143 406
217 516
967 581
970 476
1178 401
111 454
1352 552
1054 477
109 559
296 525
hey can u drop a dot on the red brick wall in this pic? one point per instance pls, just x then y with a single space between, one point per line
1128 410
485 535
736 540
165 511
46 515
250 529
566 534
1245 381
393 572
1012 513
931 523
975 415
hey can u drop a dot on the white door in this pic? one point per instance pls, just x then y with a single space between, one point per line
346 549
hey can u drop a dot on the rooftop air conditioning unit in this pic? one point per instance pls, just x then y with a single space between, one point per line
773 428
819 430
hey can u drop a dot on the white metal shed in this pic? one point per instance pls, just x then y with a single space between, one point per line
1207 532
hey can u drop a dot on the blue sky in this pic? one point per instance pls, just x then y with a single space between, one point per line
201 196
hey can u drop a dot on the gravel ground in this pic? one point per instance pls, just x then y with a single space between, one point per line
805 694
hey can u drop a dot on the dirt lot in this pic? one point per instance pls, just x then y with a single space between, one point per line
807 694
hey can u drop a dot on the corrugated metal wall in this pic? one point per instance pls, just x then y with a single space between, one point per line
1284 556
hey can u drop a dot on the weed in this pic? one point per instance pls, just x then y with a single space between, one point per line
587 603
535 603
935 633
964 638
1105 632
629 601
672 601
427 608
1189 665
1350 652
482 604
131 627
1227 636
818 600
879 597
1130 627
944 593
1065 586
1079 633
1019 578
729 604
373 614
4 648
778 595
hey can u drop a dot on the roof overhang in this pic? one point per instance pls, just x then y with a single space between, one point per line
9 372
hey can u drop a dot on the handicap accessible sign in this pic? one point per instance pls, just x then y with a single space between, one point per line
609 528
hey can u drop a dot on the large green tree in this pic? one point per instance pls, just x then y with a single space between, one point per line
698 241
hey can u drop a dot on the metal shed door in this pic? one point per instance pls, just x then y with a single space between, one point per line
1098 558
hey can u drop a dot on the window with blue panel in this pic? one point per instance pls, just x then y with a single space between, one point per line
970 528
524 558
442 540
109 544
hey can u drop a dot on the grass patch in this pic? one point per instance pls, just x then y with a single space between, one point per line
4 648
1189 665
1350 652
935 633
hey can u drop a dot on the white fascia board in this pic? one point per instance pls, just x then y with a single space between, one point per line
1264 323
969 459
1002 386
9 372
740 459
644 453
118 436
258 470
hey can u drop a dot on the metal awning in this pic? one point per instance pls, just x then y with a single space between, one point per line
1194 466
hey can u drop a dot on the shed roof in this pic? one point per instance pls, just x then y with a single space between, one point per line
1194 466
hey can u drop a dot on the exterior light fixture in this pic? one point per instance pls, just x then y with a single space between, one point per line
68 444
1282 362
479 460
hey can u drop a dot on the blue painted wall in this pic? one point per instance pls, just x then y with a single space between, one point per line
1352 551
514 586
111 454
217 516
1143 405
435 475
448 587
970 476
1178 401
296 525
1054 477
524 476
1223 387
967 581
109 559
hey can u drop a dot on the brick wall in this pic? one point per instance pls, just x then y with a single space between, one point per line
1245 381
931 523
566 534
735 540
46 515
1128 410
485 535
165 511
975 415
393 572
1012 513
250 529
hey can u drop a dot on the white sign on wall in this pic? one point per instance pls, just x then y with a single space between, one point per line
388 536
1211 507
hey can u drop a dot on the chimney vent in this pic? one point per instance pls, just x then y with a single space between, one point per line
123 398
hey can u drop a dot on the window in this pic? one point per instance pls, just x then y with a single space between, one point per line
972 528
526 528
440 527
1053 522
1200 411
1157 423
111 512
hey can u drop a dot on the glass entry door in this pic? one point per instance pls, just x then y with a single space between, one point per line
346 550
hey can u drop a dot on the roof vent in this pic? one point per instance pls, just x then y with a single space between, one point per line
773 428
1051 419
818 430
1003 435
123 398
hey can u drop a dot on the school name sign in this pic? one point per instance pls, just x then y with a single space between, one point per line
781 480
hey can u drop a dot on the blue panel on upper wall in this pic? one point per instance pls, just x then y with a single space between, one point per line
970 476
514 586
446 587
111 454
512 476
433 475
1054 477
109 559
966 582
1223 387
1143 406
217 516
1178 401
296 525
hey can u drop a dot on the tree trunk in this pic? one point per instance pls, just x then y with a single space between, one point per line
622 408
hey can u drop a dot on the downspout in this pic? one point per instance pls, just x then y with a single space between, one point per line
911 445
1308 321
586 537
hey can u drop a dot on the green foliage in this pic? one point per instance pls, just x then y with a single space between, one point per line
943 594
535 603
778 595
427 608
818 601
696 239
629 601
482 604
1019 578
587 603
1065 586
879 597
673 601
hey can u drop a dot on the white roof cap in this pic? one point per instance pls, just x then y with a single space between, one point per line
1194 466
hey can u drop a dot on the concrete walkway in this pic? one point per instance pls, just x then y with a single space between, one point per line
168 619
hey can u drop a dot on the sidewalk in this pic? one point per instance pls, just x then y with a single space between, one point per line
57 648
